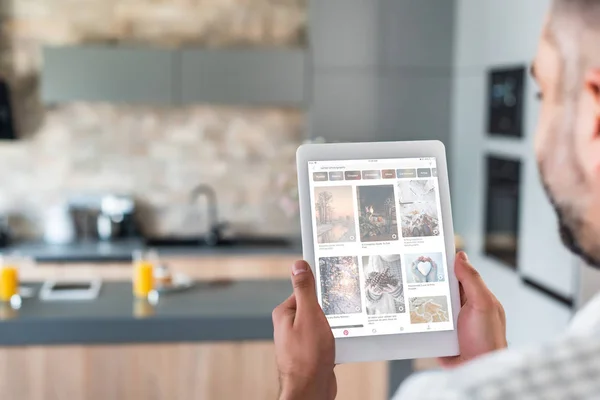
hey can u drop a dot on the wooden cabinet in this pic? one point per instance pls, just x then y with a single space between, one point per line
186 371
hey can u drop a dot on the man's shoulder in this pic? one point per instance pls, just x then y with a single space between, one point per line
569 368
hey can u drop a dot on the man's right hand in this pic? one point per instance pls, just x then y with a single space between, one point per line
481 322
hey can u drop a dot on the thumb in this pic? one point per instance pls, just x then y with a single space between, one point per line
475 290
303 281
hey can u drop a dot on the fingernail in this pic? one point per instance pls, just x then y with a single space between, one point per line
298 268
464 257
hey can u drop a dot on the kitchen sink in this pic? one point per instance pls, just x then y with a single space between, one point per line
200 241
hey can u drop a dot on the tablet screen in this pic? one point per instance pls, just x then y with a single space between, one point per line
379 246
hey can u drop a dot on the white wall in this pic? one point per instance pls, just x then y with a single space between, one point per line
492 33
495 33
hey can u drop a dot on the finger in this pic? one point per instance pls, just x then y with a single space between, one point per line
450 362
284 313
303 281
463 296
475 290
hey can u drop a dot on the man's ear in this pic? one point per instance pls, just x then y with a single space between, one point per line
587 127
592 84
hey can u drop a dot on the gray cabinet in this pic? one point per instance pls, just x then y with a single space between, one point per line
108 73
243 76
382 69
345 34
159 76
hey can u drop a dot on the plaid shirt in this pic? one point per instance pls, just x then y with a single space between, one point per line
568 368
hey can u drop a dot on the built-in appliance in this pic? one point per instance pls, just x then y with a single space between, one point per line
7 126
506 100
502 209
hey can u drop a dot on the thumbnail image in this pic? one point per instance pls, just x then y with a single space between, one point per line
383 284
418 208
377 213
425 310
334 213
340 285
424 267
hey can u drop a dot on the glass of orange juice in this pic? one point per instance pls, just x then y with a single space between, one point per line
144 262
9 278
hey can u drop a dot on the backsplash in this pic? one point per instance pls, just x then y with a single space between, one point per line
158 154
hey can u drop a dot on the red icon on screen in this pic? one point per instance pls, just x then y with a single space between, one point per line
346 333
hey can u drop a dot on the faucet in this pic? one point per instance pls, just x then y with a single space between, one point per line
214 231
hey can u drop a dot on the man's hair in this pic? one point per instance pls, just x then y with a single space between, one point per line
574 29
580 15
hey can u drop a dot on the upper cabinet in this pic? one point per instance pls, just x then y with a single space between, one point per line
154 76
243 76
110 74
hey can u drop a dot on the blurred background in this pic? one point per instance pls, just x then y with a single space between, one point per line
173 125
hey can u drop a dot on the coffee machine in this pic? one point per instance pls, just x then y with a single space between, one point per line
7 128
107 217
116 219
4 232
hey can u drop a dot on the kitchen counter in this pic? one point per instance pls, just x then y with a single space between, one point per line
234 312
227 311
121 251
216 333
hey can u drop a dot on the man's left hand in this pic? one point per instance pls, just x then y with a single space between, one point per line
304 343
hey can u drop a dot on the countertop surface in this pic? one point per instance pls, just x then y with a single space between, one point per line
121 251
226 311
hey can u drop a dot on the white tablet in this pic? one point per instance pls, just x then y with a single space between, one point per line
377 231
70 290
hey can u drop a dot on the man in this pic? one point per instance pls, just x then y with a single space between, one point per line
567 69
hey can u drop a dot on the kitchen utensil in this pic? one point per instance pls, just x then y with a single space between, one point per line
7 128
179 282
107 228
59 227
4 231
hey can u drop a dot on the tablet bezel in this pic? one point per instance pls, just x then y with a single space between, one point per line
385 347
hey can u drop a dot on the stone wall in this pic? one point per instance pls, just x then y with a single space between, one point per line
156 154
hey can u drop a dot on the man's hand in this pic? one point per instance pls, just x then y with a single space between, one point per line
481 322
304 343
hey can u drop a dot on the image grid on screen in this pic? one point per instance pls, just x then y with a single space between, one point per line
384 289
334 213
377 213
426 310
418 208
425 267
340 285
379 247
